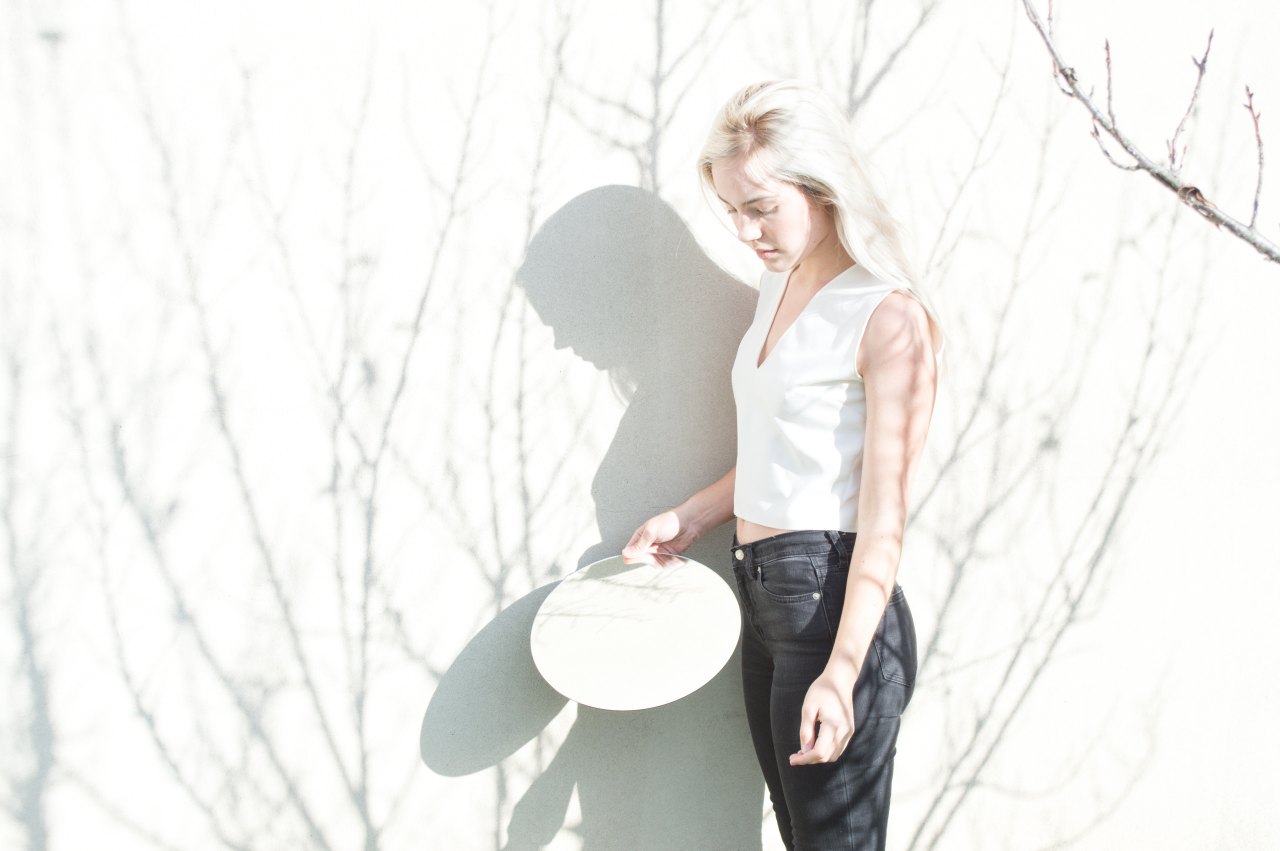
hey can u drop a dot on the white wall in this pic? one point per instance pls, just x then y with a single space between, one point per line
333 336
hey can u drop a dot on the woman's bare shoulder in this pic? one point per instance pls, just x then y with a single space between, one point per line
899 328
899 316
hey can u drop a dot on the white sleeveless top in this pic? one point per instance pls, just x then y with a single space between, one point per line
802 413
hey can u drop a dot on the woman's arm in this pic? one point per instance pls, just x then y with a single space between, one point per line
899 373
678 528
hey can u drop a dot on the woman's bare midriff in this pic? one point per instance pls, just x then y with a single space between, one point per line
749 532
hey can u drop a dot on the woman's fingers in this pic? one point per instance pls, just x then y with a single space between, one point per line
637 543
825 712
808 718
813 748
827 747
662 529
642 541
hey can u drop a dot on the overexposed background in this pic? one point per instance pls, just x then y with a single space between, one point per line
334 333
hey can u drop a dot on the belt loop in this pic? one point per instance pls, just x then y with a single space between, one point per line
837 541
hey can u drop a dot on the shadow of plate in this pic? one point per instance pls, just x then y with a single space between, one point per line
492 700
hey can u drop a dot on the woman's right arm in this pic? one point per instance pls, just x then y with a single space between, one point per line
678 528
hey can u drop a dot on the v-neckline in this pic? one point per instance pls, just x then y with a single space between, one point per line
762 357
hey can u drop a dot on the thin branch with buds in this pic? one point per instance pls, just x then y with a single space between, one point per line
1166 175
1257 134
1200 64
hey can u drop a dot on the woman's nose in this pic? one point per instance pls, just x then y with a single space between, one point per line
748 231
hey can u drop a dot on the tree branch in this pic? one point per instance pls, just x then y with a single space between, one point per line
1186 193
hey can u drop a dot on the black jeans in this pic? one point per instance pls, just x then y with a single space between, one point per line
791 588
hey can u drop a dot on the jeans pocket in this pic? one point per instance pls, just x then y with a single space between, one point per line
791 579
895 642
790 603
887 681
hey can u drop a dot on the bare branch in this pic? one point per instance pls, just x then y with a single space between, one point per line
1189 195
1111 112
1097 137
1200 64
1257 134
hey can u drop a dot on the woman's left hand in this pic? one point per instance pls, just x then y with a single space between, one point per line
828 705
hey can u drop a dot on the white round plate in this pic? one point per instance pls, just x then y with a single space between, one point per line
633 636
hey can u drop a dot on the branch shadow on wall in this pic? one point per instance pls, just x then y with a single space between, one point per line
619 278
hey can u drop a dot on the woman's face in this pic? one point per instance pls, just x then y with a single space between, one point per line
775 218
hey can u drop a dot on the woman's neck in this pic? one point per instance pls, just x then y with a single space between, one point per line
827 259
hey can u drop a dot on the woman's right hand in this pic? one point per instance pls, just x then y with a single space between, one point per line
661 533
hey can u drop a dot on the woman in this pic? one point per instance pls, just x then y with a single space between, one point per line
834 384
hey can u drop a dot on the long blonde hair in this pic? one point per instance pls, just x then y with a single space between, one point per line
797 133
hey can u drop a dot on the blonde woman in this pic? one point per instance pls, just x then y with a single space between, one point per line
834 383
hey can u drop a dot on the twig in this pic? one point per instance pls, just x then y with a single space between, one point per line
1187 193
1200 64
1257 134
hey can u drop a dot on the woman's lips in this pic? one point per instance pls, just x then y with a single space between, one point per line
766 252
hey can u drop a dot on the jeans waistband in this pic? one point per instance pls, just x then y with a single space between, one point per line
799 542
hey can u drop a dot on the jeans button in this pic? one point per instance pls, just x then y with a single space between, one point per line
739 555
816 595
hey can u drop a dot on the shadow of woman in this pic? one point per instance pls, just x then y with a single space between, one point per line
620 280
